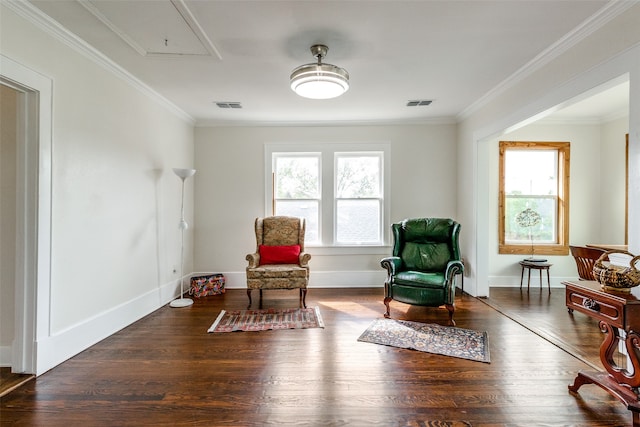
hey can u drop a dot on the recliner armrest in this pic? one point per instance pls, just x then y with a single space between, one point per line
254 260
454 267
304 259
392 264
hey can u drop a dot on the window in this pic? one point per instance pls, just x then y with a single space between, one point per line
338 188
534 198
358 198
297 189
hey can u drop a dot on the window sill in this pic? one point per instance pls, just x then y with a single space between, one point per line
537 250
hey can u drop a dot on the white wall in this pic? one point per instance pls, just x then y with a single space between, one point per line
612 180
115 201
611 51
597 181
230 193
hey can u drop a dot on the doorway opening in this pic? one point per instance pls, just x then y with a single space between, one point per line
26 255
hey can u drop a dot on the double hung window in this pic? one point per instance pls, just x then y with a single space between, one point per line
297 189
534 198
358 198
339 189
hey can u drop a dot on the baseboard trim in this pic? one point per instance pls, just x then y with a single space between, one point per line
64 344
317 279
514 281
6 352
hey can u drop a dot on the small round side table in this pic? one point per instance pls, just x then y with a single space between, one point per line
535 265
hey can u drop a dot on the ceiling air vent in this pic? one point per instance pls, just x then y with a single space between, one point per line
229 104
415 103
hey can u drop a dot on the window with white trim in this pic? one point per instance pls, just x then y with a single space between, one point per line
297 190
338 188
358 198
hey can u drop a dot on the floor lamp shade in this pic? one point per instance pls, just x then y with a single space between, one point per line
183 174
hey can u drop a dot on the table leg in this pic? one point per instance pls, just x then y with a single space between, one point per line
521 276
607 383
528 279
548 281
540 278
621 382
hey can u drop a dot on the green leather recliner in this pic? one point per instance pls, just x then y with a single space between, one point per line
425 262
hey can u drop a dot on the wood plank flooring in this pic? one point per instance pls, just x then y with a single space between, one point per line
10 381
165 370
546 314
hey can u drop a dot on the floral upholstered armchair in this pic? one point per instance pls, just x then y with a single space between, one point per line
279 261
425 261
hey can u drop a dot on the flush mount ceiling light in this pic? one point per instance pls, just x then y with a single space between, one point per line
319 81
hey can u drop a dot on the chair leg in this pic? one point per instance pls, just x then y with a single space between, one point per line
249 295
386 303
260 306
303 297
451 309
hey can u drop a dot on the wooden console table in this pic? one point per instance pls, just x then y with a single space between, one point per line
619 316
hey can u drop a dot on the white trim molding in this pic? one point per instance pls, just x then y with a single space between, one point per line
579 33
55 29
34 181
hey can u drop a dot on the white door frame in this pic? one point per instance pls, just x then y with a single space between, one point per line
33 216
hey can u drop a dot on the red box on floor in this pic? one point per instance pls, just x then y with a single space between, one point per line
211 284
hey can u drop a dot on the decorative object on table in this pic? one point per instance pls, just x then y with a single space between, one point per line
280 260
429 338
614 277
424 263
529 218
211 284
318 80
269 319
183 174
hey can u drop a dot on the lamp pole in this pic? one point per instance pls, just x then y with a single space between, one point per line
183 174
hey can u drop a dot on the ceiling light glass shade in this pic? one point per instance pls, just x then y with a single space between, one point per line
319 81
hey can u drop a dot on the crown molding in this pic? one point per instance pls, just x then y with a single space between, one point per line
55 29
572 38
310 123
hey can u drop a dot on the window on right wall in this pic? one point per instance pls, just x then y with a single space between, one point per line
534 198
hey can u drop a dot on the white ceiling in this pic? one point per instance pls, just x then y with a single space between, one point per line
456 53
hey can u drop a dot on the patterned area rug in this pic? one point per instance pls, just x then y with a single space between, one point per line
430 338
263 320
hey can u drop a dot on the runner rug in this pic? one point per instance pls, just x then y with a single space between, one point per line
263 320
429 338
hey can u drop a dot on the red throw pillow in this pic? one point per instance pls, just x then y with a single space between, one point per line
279 254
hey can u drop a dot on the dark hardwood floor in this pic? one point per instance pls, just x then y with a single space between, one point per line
10 381
165 370
547 315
